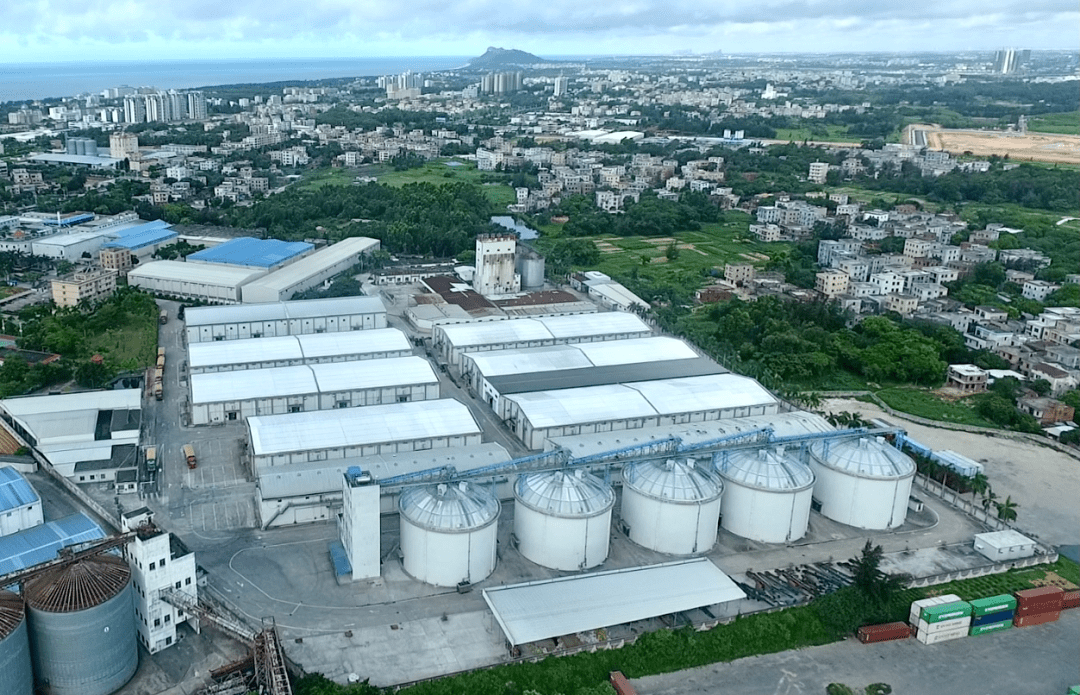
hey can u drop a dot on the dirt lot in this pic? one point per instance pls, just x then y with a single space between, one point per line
1045 482
1042 147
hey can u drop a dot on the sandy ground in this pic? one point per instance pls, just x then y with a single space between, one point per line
1042 147
1043 481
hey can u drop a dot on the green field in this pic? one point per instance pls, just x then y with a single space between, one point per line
837 133
325 177
1061 123
925 404
439 172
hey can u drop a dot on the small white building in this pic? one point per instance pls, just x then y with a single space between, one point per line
1001 546
20 506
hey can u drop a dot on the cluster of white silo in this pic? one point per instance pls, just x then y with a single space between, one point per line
562 518
72 632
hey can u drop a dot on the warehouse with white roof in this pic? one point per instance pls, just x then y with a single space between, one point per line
309 271
339 314
292 350
275 440
217 284
218 397
453 341
536 416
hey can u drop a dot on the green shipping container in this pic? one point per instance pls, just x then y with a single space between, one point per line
1075 690
990 627
945 611
993 604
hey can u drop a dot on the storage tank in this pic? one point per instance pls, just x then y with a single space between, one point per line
767 494
862 482
82 627
449 533
671 506
562 519
91 147
16 672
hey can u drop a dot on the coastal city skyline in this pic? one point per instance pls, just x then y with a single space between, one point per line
65 31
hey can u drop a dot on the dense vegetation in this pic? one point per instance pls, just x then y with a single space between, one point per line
420 219
365 120
650 216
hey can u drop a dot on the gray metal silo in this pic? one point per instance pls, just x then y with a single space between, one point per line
72 146
91 147
82 627
16 671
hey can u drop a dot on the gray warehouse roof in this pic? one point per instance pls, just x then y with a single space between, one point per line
276 311
196 273
353 427
315 263
539 610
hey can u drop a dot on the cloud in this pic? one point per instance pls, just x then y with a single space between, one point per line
463 27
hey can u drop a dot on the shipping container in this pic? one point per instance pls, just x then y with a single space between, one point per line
885 632
1033 608
917 606
621 684
977 630
1074 690
1037 619
945 611
936 637
1038 595
924 627
1070 599
993 604
993 618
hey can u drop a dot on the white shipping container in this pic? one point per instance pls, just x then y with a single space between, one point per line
944 626
936 637
917 606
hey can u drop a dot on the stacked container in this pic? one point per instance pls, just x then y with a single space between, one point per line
1071 599
943 621
885 632
992 614
1038 606
917 606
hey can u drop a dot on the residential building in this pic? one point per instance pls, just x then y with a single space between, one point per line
903 304
117 260
818 172
1046 410
832 283
87 285
1038 289
966 378
739 273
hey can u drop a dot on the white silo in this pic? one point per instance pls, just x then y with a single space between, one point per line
448 533
767 494
862 482
562 519
671 506
16 673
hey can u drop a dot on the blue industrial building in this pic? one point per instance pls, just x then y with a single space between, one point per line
256 253
141 235
42 543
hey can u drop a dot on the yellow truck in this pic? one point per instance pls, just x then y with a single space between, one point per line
189 455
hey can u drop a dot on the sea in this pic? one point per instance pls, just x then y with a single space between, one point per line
28 81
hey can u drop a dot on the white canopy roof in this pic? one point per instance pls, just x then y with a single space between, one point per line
539 610
712 392
606 353
296 347
548 328
352 427
275 311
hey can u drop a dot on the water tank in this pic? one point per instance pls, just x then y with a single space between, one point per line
72 146
449 533
671 506
767 494
862 482
16 672
82 627
91 147
562 519
531 269
80 146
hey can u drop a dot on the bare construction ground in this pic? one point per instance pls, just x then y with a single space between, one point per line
1039 147
1043 481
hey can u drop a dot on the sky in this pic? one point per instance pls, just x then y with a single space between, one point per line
78 30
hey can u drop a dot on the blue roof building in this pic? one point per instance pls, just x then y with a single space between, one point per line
42 543
257 253
141 235
20 506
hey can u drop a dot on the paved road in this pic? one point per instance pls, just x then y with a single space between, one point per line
1037 661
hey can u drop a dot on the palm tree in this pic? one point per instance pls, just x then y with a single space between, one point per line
978 485
1006 510
988 499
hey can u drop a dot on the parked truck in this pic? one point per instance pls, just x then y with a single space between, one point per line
189 456
151 459
163 317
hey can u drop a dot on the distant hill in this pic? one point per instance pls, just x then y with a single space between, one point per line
502 57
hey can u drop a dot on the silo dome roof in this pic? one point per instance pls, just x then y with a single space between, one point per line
77 586
449 508
865 457
673 480
564 493
12 612
765 469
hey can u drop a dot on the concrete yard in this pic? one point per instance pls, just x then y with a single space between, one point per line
1031 661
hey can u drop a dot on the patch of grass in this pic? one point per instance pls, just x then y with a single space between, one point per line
324 177
439 171
1005 583
837 133
925 404
1061 123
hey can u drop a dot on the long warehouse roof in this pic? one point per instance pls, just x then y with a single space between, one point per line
196 273
548 608
642 399
579 355
296 347
548 328
41 543
315 263
353 427
599 376
15 491
248 251
306 379
277 311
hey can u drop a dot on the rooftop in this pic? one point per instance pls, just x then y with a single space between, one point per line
301 270
42 543
248 251
279 311
15 491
